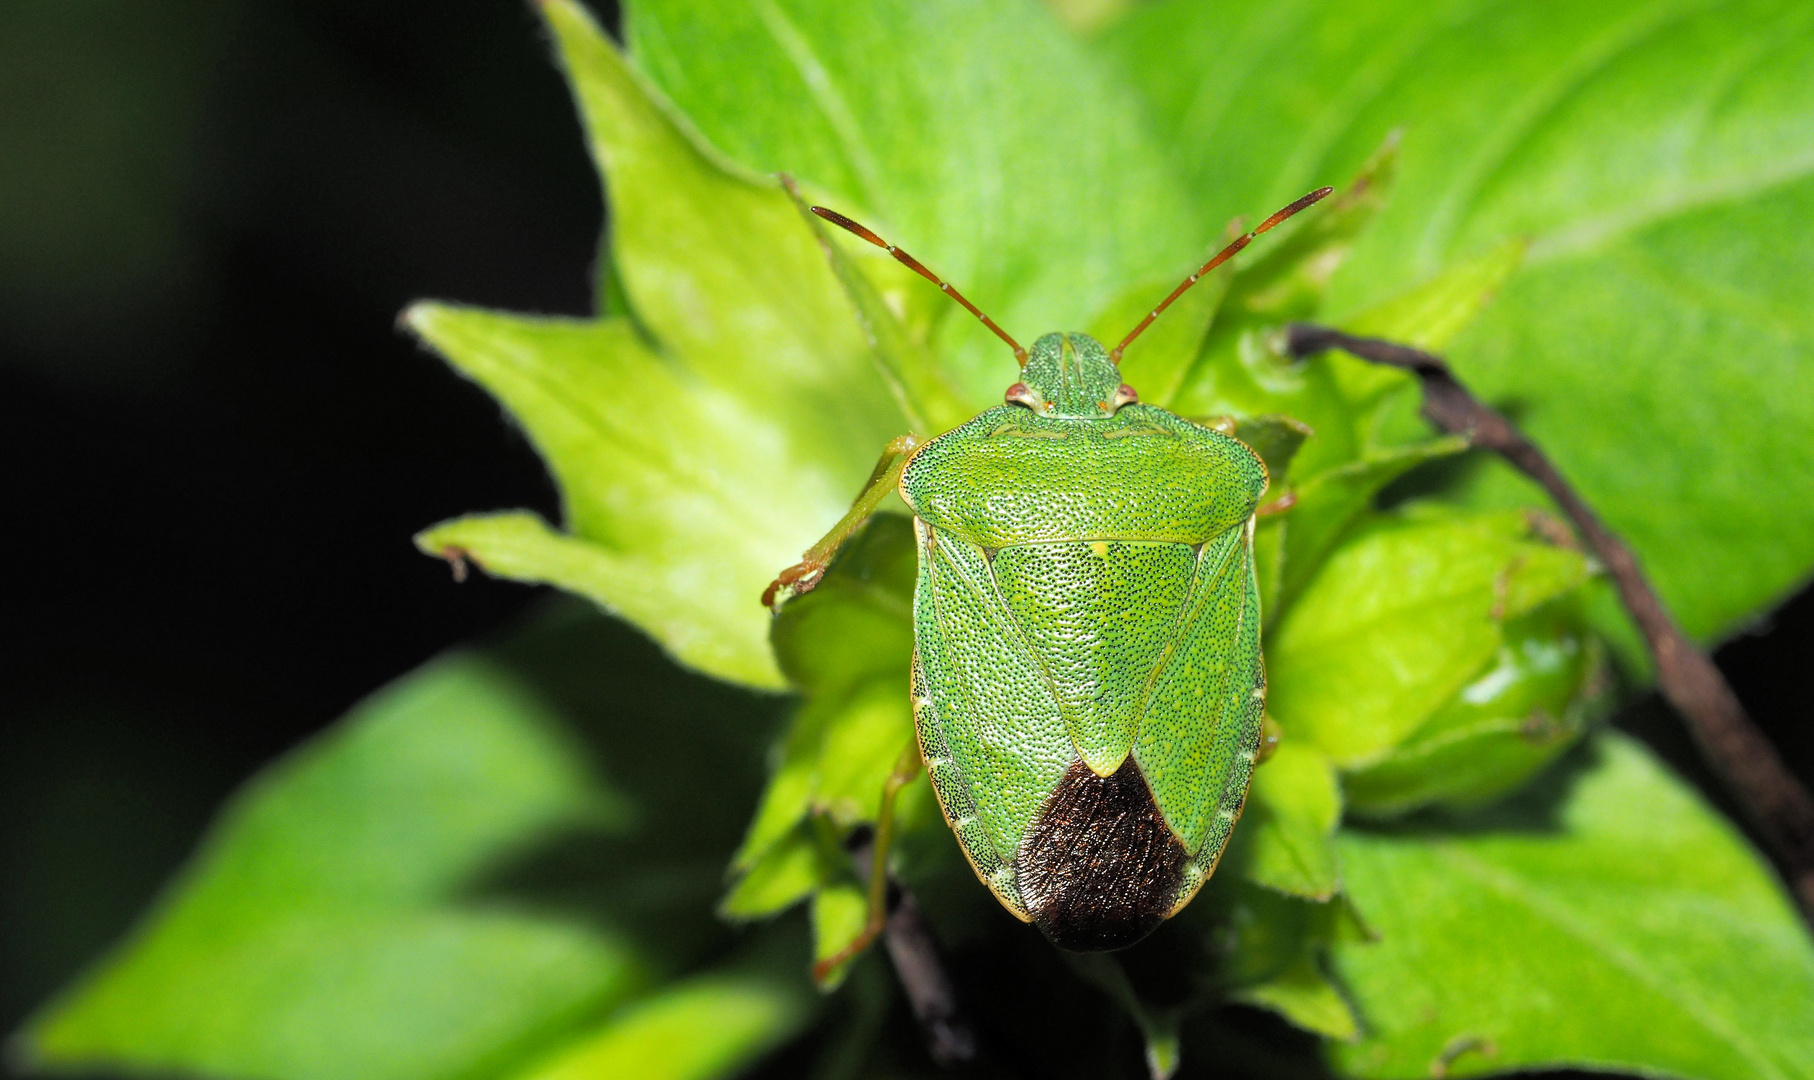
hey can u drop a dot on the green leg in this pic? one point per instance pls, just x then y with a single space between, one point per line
803 575
906 767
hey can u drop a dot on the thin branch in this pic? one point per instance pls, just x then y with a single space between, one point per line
1769 794
919 965
921 969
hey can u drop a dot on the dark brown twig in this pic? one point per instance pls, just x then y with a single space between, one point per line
1777 804
919 965
929 989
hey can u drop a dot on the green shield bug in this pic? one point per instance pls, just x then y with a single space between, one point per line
1087 683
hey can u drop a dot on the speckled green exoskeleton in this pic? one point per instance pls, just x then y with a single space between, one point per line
1087 683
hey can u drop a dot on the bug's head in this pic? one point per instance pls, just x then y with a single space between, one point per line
1070 375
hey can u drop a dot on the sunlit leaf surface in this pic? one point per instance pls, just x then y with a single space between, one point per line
1607 918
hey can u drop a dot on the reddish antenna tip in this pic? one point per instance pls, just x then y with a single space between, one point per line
1221 257
1304 203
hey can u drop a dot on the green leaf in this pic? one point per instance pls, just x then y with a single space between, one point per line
859 749
840 910
1255 933
701 443
326 930
1399 619
834 761
978 136
1087 16
1269 563
1304 995
706 1027
1242 374
1241 371
1289 278
857 625
1430 314
1329 501
1524 709
1268 950
670 525
1427 315
926 396
846 644
719 268
1657 159
522 547
1607 920
1167 350
1286 837
782 873
1277 440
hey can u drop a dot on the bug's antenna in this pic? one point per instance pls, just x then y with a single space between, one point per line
1221 257
919 268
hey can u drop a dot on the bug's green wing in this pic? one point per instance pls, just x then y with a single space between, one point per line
989 728
1201 726
1098 617
952 788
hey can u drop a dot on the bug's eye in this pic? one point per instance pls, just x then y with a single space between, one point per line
1124 395
1021 394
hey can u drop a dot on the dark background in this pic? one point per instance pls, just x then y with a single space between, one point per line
216 444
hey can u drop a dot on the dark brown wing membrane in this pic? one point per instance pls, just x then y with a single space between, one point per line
1099 869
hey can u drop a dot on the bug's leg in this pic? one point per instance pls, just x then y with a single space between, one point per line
906 767
1225 424
1279 505
803 575
1270 734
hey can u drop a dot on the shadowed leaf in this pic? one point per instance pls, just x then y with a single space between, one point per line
1286 837
707 1027
322 933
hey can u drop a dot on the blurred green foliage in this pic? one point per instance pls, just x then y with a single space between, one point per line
509 863
478 869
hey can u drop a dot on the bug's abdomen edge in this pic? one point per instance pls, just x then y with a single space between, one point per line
952 791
